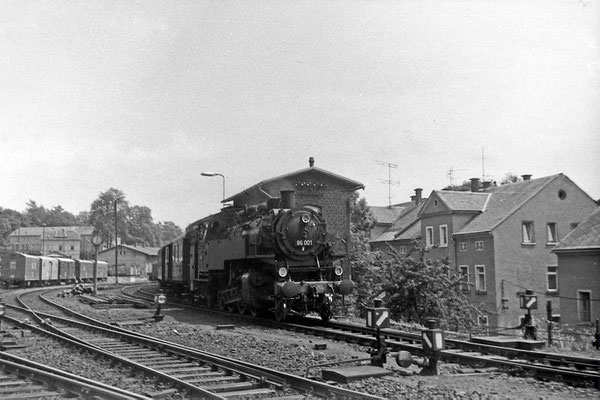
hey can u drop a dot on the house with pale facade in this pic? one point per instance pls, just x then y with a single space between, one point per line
69 241
579 267
500 238
132 260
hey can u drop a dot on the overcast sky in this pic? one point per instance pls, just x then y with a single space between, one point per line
143 96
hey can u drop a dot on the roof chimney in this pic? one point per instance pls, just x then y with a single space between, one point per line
418 192
311 162
526 177
474 184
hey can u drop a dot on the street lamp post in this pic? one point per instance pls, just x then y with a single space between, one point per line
96 241
216 174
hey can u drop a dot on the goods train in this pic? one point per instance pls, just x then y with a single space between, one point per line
25 270
274 257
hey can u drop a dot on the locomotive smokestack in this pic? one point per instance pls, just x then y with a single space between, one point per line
288 199
311 162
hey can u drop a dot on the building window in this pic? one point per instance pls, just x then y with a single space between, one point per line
462 246
482 320
552 279
72 247
429 236
60 248
443 235
402 249
479 245
551 236
527 229
480 278
464 277
584 306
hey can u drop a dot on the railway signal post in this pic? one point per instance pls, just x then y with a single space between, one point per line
529 302
97 242
2 311
159 300
433 341
378 317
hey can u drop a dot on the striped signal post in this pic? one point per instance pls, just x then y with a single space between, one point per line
433 341
529 302
378 317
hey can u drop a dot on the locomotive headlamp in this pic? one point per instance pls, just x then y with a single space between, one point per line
282 272
339 270
305 218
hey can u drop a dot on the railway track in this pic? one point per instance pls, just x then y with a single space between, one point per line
549 366
195 373
24 379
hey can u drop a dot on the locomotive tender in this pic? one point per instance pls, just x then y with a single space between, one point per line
274 256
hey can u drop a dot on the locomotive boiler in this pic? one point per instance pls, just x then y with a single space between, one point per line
274 257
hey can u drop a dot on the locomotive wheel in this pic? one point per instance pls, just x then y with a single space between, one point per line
281 310
325 312
222 304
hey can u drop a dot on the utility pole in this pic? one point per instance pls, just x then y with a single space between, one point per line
116 248
389 180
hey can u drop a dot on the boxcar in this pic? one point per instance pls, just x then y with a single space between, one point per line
21 269
66 269
48 269
84 270
102 272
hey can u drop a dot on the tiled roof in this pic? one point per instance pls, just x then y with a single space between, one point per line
463 201
585 236
53 231
348 182
151 251
504 201
386 215
405 221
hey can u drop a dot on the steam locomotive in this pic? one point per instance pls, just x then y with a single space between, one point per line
274 257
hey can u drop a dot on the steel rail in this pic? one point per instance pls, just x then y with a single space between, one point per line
275 378
458 351
69 382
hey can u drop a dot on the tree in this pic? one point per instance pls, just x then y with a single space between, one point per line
102 215
134 223
509 178
414 289
141 228
361 222
168 231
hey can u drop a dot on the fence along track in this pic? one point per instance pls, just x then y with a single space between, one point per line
264 380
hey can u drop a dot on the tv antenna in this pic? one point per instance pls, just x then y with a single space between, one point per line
451 172
389 180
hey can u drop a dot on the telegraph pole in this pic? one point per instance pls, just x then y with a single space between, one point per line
116 249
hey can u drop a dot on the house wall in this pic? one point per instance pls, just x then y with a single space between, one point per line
314 187
482 255
131 262
524 266
572 268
